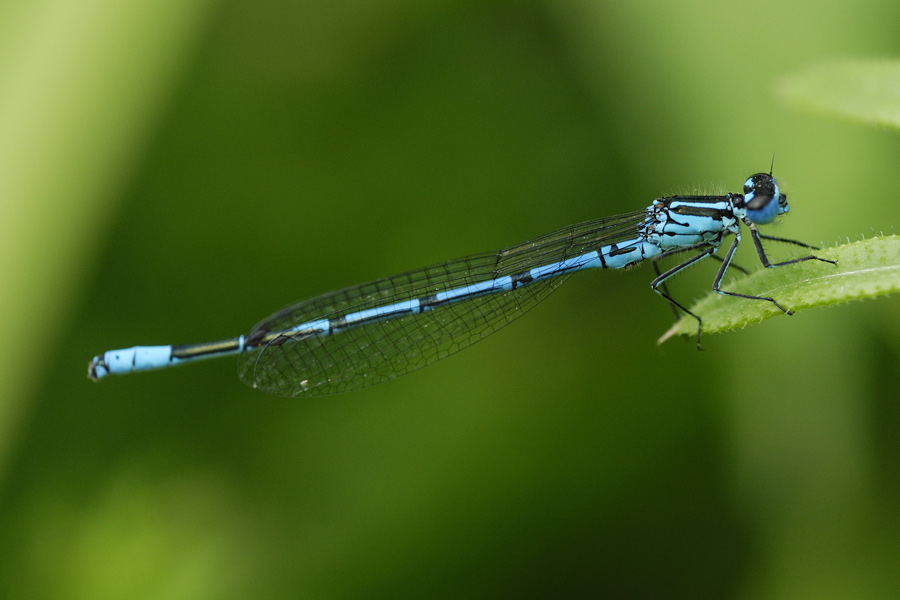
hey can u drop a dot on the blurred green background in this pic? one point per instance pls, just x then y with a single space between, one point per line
174 171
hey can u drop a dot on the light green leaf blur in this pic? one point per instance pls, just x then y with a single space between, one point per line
81 85
860 90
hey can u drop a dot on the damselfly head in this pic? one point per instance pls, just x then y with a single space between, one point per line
763 200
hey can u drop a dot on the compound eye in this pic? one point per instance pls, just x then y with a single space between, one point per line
760 187
748 186
759 201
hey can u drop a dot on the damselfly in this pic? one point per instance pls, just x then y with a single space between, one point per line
374 332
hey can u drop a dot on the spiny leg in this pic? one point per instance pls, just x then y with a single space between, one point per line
765 259
788 241
724 268
661 279
663 286
732 265
666 289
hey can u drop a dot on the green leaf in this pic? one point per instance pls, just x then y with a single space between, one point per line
865 269
867 91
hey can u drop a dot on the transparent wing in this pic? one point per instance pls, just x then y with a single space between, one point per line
364 355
